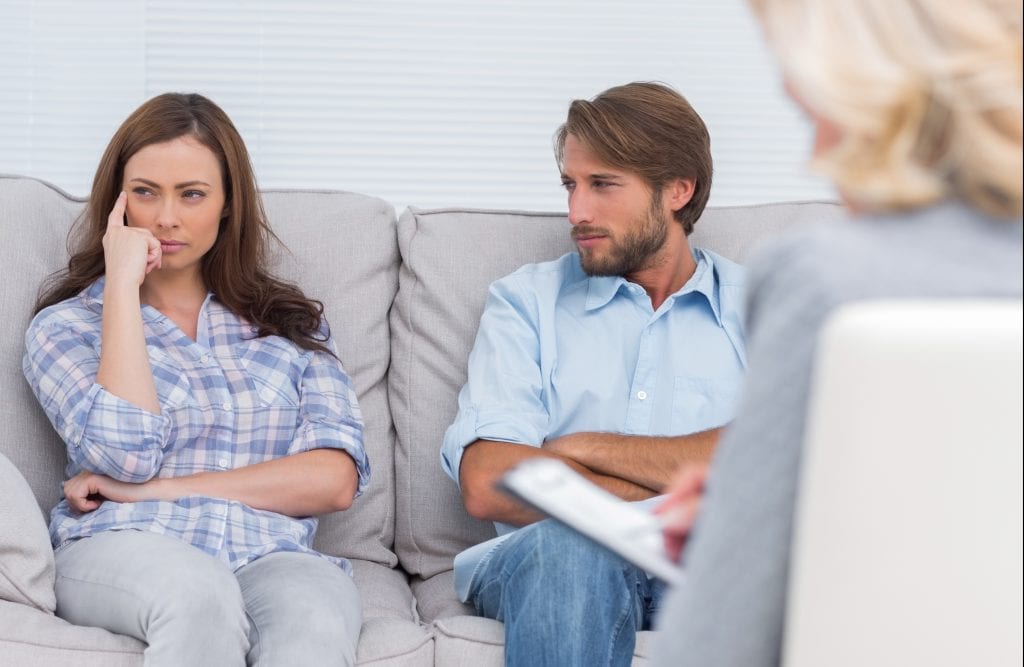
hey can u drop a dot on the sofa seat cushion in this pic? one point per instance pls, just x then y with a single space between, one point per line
435 597
471 641
31 637
390 636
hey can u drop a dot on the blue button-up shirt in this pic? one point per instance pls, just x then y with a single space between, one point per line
228 399
560 352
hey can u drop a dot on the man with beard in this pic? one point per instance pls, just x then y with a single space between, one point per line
623 359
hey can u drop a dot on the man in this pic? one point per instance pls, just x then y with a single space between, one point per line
623 359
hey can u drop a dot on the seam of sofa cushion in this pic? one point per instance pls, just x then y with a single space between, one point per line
417 212
64 647
403 431
427 639
438 627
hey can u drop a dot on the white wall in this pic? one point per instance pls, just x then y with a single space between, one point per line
439 103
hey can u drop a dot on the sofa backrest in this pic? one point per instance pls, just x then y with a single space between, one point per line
340 247
449 257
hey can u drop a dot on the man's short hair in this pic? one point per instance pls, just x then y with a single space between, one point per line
648 129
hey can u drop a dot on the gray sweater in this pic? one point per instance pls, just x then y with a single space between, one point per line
731 610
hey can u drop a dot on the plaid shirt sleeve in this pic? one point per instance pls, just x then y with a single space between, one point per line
103 433
329 413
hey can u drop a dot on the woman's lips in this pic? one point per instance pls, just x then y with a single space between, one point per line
171 246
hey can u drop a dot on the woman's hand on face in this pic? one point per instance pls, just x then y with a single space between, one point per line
87 490
130 253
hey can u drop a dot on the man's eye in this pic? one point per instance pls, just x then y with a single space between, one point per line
568 185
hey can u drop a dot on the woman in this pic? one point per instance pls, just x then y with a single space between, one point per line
206 417
917 113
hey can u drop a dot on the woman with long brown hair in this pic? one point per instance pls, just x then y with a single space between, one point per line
207 419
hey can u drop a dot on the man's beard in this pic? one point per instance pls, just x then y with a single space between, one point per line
634 252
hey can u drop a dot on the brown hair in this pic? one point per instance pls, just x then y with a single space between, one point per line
648 129
235 268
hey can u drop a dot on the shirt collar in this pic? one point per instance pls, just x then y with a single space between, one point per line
602 289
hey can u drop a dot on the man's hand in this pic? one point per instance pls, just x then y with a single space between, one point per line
679 508
87 490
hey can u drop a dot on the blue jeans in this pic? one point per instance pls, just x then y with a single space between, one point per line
285 608
564 600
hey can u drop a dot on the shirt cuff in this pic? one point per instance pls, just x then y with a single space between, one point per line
326 435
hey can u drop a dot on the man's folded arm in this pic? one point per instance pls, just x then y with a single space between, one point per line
645 461
485 461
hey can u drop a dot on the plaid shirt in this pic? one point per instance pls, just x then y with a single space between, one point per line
228 399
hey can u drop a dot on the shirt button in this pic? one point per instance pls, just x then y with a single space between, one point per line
641 394
226 406
223 463
205 359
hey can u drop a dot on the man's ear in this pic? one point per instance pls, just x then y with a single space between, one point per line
679 192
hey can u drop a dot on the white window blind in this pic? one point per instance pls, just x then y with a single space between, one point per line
431 103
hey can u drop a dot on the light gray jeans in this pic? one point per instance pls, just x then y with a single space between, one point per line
285 608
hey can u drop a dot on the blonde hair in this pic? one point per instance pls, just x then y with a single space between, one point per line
926 95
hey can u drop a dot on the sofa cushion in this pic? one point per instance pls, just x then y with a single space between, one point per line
450 257
34 222
31 637
340 248
435 598
469 641
26 559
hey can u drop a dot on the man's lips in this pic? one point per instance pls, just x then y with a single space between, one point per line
586 238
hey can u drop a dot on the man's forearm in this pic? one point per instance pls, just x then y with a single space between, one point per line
646 461
485 461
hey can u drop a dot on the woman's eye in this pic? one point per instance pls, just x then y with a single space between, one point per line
142 191
193 194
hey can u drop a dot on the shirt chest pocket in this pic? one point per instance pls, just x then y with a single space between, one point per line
699 404
273 370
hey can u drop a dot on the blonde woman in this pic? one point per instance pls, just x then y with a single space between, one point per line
916 107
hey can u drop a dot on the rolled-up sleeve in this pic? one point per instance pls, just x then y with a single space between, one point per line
103 433
329 413
502 399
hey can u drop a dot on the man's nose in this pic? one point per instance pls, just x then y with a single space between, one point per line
579 208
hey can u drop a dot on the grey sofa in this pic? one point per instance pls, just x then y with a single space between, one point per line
403 296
